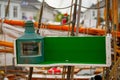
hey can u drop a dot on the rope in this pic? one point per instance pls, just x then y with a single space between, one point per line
62 7
92 8
78 5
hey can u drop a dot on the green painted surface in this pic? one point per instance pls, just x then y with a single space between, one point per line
81 50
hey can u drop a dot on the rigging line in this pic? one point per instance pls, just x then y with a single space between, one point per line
92 8
63 7
77 5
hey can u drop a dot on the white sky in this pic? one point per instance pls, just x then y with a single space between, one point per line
65 3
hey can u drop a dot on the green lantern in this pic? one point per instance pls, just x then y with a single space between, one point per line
34 50
29 47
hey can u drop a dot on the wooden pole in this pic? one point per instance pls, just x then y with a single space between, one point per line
63 72
107 16
115 18
98 14
30 73
69 73
78 19
7 9
115 28
107 2
70 17
74 18
72 73
40 17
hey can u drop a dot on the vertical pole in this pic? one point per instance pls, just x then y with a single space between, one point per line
74 18
70 17
7 9
115 25
103 76
98 14
107 16
69 73
30 73
78 20
40 17
115 29
63 72
107 2
115 19
72 73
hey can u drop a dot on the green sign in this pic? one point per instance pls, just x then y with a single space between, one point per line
34 50
74 51
92 51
